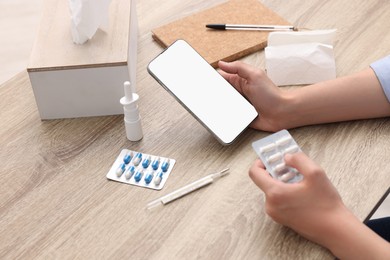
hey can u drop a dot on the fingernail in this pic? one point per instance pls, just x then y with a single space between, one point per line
287 156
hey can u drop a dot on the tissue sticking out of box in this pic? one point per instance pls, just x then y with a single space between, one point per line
87 16
294 58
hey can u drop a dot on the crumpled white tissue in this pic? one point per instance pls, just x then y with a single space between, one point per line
295 58
87 16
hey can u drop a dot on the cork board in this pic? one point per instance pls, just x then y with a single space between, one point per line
227 45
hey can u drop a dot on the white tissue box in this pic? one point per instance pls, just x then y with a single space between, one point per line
298 58
71 80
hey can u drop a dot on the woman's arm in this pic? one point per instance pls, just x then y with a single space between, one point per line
357 96
352 97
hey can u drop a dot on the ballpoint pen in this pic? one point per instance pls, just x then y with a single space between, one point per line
187 189
254 27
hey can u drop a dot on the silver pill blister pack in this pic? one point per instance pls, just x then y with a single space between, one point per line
271 151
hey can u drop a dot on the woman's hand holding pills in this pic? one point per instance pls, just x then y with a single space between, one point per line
314 209
304 206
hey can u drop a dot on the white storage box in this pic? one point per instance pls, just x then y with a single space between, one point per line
71 80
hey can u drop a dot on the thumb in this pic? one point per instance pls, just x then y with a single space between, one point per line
303 164
236 67
261 177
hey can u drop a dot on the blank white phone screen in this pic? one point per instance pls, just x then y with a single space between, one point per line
215 103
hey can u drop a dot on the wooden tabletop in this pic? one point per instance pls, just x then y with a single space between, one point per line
54 48
55 200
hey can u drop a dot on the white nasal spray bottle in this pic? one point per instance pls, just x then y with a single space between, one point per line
131 113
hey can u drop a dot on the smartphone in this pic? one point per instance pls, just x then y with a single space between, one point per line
197 86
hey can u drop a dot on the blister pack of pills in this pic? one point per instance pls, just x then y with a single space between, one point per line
271 151
143 170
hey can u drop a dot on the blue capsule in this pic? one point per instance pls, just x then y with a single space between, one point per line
129 172
137 159
156 163
120 169
158 179
127 157
146 162
149 176
138 175
165 165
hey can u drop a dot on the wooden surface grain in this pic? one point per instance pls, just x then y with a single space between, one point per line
55 200
54 47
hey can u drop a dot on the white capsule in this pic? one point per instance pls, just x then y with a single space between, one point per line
275 157
291 149
287 176
267 148
280 167
283 141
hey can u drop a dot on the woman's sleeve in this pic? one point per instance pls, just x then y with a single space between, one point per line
382 71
